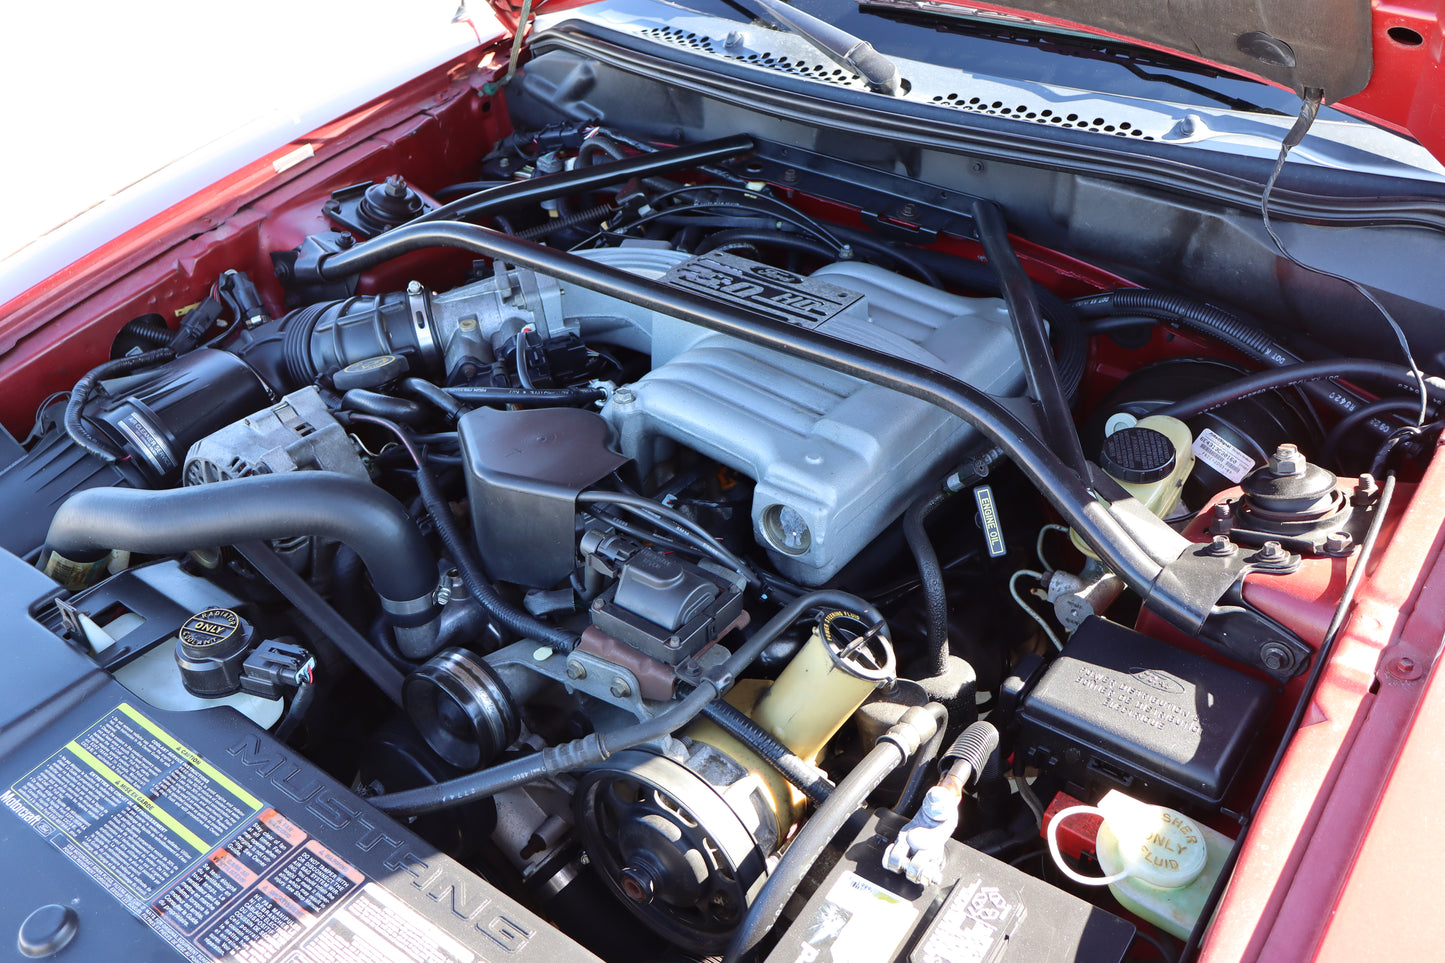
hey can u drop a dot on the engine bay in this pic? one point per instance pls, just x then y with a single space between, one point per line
622 513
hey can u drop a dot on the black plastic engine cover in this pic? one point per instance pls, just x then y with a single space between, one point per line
196 836
1119 710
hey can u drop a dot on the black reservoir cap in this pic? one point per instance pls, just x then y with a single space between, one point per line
211 649
1137 455
370 372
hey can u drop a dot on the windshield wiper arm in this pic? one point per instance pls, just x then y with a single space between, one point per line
840 46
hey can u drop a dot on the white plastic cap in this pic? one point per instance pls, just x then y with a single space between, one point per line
1118 421
1157 845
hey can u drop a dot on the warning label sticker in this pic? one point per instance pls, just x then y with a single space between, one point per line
1223 457
210 868
859 922
778 294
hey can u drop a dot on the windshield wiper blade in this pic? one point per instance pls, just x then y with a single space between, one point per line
847 51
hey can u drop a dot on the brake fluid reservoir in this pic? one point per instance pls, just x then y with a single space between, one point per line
1167 862
1151 460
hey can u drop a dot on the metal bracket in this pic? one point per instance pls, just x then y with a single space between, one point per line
895 207
1209 575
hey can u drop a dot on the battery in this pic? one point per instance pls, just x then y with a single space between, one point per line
1120 710
983 911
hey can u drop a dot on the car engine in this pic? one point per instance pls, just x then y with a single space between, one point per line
626 517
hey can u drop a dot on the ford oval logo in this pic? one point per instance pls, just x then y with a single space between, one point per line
1157 679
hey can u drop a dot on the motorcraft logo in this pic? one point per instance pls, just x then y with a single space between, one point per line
988 518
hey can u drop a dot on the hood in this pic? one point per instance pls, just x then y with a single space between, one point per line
1380 62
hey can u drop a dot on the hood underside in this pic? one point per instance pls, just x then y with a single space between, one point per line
1378 61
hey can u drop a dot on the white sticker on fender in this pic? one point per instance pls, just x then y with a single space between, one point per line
1223 457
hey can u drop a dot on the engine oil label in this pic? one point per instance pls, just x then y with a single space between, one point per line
210 868
780 295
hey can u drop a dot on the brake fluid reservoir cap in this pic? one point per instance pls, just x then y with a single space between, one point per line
1137 455
1157 845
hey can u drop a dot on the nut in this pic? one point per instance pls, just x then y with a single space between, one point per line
1287 460
1339 543
1222 547
1271 552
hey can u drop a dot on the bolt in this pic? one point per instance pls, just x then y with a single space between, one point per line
735 38
576 670
1223 510
1271 552
413 288
598 605
909 210
1275 656
1404 669
1287 460
976 167
1365 490
1338 543
620 689
673 642
790 176
637 884
624 396
1222 547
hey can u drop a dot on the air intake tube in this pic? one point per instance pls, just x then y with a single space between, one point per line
353 512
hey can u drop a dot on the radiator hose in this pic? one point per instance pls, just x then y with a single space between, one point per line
349 510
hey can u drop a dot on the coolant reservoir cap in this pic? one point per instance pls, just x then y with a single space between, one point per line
210 649
1156 845
1137 455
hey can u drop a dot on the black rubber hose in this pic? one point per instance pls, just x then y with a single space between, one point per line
1072 496
918 772
263 507
1342 430
769 239
80 395
151 334
727 717
893 748
1227 328
551 186
523 396
295 711
513 619
930 577
1246 338
425 390
596 747
375 403
1274 378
